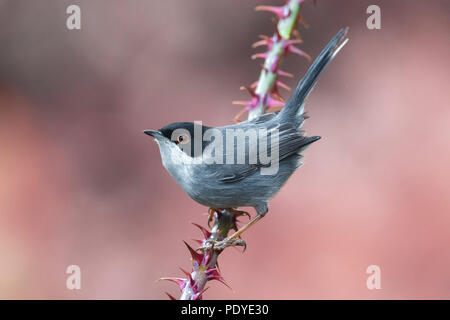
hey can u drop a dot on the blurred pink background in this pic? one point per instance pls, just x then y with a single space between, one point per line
80 183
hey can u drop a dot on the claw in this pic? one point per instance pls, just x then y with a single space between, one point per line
239 213
211 212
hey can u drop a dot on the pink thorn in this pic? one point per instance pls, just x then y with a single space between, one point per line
243 103
198 241
185 272
262 55
213 274
290 42
253 103
282 85
261 43
249 90
284 74
197 257
273 103
279 11
205 232
187 281
198 296
171 297
296 50
179 281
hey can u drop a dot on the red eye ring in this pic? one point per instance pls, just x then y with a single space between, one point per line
183 138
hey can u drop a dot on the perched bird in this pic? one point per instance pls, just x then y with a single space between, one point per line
230 185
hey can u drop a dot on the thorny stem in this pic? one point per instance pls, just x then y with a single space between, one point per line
224 222
264 96
266 93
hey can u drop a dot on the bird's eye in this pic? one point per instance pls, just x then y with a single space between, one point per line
183 138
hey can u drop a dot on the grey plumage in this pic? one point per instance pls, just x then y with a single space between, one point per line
237 185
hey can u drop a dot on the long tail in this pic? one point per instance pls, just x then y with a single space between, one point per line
294 106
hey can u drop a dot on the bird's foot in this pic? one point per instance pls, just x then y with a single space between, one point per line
211 212
236 214
239 213
222 244
232 241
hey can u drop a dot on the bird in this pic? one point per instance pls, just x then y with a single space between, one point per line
223 185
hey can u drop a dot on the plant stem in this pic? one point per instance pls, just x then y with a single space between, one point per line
278 46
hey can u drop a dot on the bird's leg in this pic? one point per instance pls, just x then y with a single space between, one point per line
244 228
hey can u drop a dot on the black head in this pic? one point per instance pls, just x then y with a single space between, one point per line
182 134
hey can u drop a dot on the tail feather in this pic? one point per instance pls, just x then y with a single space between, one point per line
294 106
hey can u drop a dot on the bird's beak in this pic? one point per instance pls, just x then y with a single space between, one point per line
153 133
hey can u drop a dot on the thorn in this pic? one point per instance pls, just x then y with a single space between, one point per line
179 281
197 257
254 84
296 50
197 240
205 232
262 55
213 274
290 42
185 272
171 297
282 85
274 103
243 103
249 105
249 90
260 43
284 74
198 296
278 11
